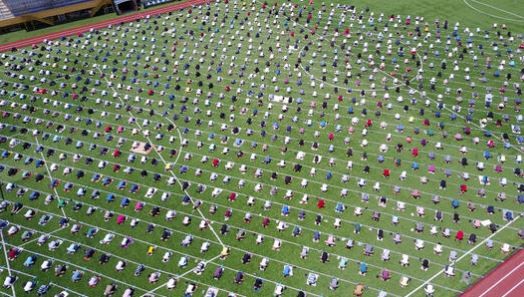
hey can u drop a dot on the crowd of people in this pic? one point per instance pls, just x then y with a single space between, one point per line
308 111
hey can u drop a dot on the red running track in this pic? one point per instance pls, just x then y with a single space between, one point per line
507 280
104 24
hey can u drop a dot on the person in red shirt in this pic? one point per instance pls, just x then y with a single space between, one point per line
13 253
386 172
232 196
331 136
460 235
216 162
463 188
265 222
414 152
321 203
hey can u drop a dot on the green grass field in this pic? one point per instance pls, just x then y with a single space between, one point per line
106 78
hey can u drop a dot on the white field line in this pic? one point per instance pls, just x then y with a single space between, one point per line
83 268
356 162
306 210
489 14
395 135
168 249
445 107
50 176
7 260
35 239
513 288
327 199
146 109
463 256
497 8
232 247
417 91
336 186
51 283
16 55
473 124
341 107
168 119
284 240
67 289
260 255
181 275
123 235
357 177
502 279
140 128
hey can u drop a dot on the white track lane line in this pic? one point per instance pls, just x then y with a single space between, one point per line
501 280
513 288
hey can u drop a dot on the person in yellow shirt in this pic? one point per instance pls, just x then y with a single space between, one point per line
224 253
150 250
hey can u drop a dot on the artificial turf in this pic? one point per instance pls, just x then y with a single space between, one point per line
118 113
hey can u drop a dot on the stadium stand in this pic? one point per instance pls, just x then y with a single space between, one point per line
23 7
5 12
15 13
151 3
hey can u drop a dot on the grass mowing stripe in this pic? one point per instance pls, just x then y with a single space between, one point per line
125 259
427 207
83 268
327 199
451 53
290 242
309 211
276 202
169 273
232 247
